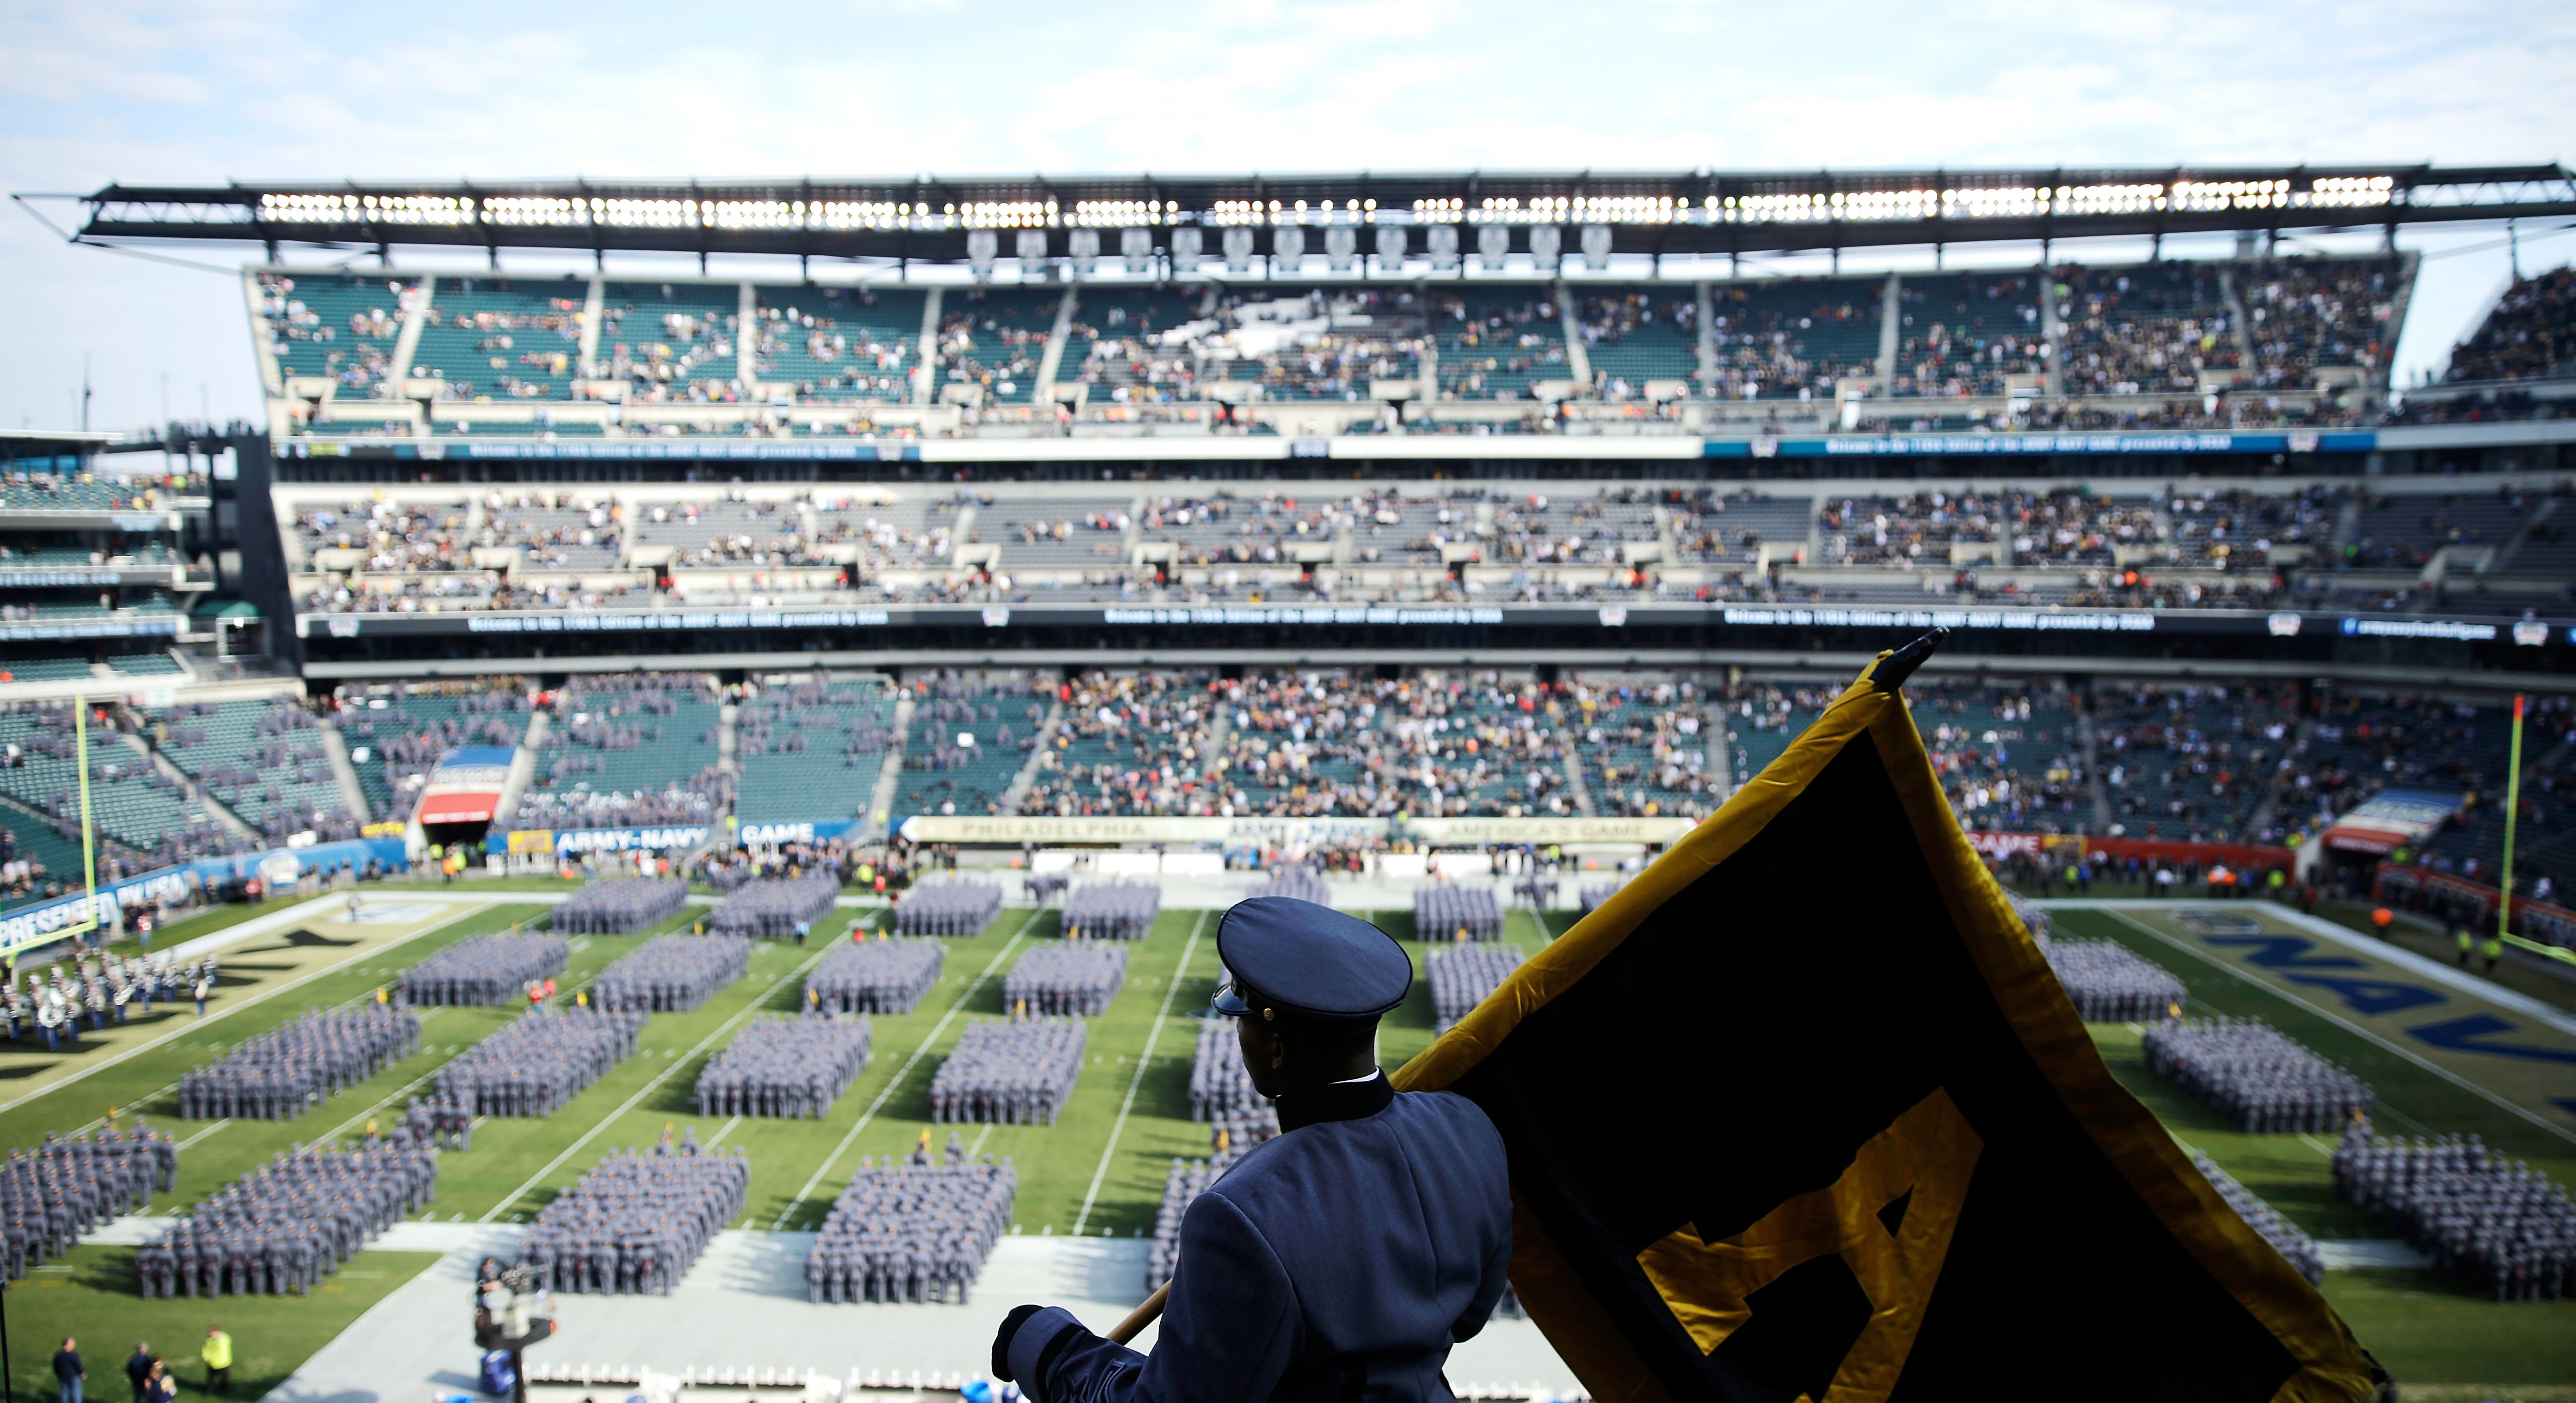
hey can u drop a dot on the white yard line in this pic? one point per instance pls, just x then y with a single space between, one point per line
202 1134
1143 1060
901 1072
2347 1025
980 1137
647 1089
274 921
718 1139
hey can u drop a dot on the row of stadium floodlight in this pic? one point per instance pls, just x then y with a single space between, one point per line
1964 202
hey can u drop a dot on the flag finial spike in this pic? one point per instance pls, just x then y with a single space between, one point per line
1894 668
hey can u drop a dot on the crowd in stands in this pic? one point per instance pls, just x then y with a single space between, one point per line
2175 545
1330 743
2155 328
1796 338
2190 761
1969 334
2305 315
2529 335
2009 760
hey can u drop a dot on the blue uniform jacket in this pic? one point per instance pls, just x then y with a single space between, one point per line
1338 1261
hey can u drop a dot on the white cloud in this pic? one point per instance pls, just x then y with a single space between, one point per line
204 90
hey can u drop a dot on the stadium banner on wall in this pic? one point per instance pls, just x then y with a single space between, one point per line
467 783
522 842
36 926
2392 819
571 841
763 835
1287 832
1888 1156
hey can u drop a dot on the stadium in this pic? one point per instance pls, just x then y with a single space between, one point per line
419 802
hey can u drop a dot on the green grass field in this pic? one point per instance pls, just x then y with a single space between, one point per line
1099 1171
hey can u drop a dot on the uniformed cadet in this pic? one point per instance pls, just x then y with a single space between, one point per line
1325 1263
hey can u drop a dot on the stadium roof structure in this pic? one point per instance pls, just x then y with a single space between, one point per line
961 219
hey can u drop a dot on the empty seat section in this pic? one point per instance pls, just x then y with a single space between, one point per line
1058 532
811 751
968 740
264 760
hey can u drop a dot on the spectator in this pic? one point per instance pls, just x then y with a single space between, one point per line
218 1354
69 1372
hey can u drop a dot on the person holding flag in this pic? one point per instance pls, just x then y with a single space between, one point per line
1891 1162
1343 1257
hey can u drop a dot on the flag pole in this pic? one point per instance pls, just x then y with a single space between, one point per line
1142 1316
2512 808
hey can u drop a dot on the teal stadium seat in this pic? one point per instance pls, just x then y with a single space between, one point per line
837 345
1962 333
1777 336
503 338
1494 343
786 746
671 341
338 325
996 338
1638 335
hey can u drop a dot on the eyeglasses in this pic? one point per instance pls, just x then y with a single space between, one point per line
1230 999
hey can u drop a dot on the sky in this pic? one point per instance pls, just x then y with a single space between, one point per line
210 90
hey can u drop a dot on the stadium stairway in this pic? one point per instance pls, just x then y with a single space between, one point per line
1053 360
2532 525
593 303
335 747
406 345
523 767
2240 328
2267 810
1890 310
1028 774
925 377
2091 742
1570 755
882 802
1578 357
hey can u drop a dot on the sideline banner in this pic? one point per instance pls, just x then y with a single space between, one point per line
42 925
568 841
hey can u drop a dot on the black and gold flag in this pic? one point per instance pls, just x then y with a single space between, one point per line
1801 1112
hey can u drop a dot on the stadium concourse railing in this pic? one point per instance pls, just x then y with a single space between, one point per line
2545 928
43 923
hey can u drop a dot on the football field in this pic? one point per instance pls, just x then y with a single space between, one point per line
2445 1055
